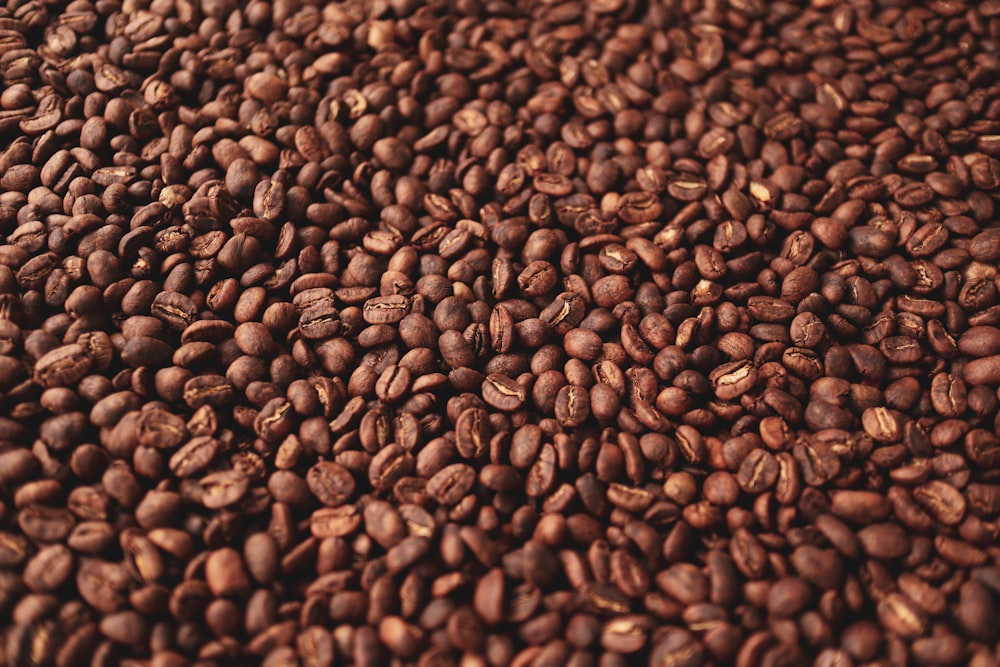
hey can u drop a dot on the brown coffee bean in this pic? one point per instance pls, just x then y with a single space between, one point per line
260 553
817 566
224 488
678 647
400 637
817 462
948 395
941 500
900 614
884 540
63 366
983 447
386 309
210 390
194 457
502 392
335 521
384 523
985 370
45 524
49 568
472 433
731 380
451 483
572 405
225 575
331 483
103 585
881 424
862 507
758 472
627 634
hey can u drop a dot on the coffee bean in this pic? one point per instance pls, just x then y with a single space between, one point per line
941 500
884 540
451 483
817 462
984 370
331 483
335 521
502 393
225 575
48 569
733 379
224 488
758 472
678 647
900 614
194 456
861 507
63 366
103 585
572 406
580 300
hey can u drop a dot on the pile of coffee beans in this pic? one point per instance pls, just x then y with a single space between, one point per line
499 333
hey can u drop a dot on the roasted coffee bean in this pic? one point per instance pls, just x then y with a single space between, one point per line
223 488
941 500
733 379
413 336
334 522
330 482
450 484
758 472
502 393
63 366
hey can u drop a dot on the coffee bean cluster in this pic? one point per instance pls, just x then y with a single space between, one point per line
499 333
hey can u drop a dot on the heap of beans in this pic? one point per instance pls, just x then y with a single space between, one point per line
499 333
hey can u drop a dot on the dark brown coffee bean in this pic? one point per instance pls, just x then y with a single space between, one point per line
194 457
900 614
400 637
733 379
862 507
949 395
472 433
335 521
451 483
225 575
386 309
63 366
174 309
331 483
572 405
49 568
881 424
45 524
884 540
102 585
210 390
981 341
678 647
820 567
758 472
941 500
224 488
985 370
502 392
985 246
983 447
817 462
